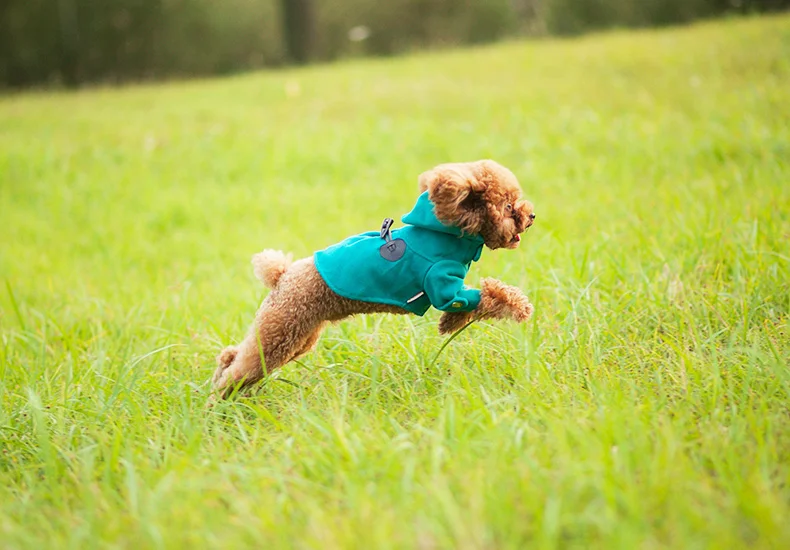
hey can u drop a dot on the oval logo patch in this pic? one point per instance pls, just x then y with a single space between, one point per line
393 250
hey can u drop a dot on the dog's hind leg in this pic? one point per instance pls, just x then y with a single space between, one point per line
280 335
311 341
287 325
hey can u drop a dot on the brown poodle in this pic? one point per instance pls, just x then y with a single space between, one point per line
462 207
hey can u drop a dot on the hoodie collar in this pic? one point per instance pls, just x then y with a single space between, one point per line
423 216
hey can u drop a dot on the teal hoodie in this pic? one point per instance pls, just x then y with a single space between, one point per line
430 273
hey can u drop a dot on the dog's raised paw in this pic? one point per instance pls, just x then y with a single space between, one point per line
502 301
523 311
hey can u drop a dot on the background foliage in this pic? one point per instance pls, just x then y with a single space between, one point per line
74 41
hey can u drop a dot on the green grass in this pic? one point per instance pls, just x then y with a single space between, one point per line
646 404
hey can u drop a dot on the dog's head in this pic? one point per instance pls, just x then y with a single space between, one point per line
482 198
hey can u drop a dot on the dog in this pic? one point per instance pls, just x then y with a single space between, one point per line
461 208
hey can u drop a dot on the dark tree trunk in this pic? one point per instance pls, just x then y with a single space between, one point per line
69 43
298 29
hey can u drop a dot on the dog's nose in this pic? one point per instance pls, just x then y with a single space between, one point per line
530 220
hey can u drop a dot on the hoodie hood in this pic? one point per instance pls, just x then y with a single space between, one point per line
423 216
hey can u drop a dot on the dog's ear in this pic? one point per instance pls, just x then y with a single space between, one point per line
456 191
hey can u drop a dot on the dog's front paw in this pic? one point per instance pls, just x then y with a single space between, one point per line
501 301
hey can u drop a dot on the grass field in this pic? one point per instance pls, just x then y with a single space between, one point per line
645 406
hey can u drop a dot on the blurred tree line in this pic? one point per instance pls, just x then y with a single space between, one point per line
75 41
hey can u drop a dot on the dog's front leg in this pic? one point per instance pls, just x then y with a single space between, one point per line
497 301
453 321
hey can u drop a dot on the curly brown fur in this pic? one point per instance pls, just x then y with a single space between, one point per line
501 301
452 321
480 197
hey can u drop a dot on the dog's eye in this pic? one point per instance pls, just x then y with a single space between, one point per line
509 206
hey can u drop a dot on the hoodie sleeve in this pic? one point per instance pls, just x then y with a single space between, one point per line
444 285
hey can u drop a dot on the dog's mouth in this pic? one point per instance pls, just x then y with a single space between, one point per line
514 241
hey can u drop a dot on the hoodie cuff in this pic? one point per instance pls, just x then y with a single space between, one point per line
465 300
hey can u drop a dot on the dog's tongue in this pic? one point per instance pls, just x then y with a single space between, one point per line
518 238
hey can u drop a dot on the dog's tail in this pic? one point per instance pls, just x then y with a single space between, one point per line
270 265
